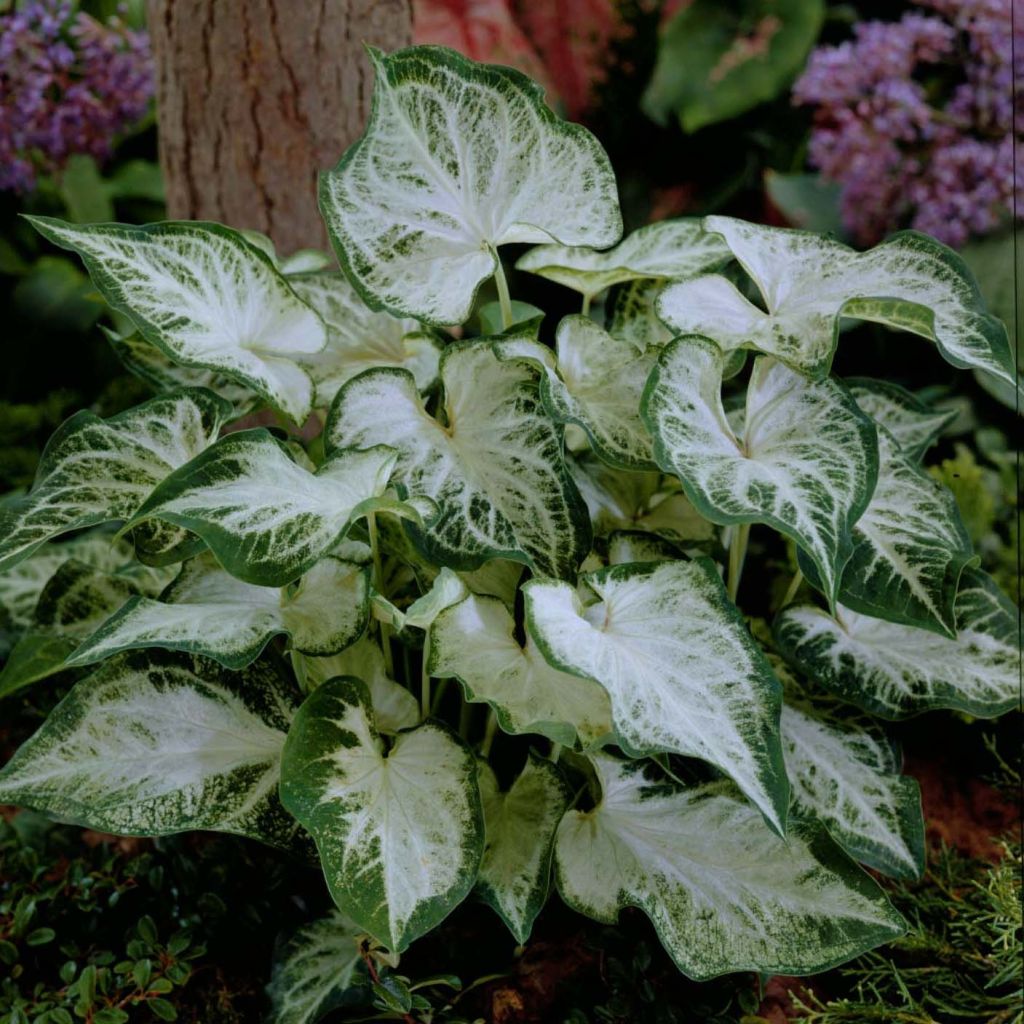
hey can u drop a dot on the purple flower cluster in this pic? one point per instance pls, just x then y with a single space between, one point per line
68 84
914 119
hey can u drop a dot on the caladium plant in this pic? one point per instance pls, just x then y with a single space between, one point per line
268 643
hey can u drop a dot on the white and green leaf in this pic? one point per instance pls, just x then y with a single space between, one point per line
474 641
683 673
207 611
494 465
723 891
317 971
206 297
668 249
515 872
400 831
913 425
809 281
359 339
418 206
97 471
843 771
154 743
806 462
896 671
267 519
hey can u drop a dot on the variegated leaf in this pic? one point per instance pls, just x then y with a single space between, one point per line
634 317
637 546
474 641
207 611
896 671
909 547
267 519
394 707
914 425
359 339
723 891
520 826
97 471
667 249
844 773
447 589
683 673
38 655
494 465
458 159
317 971
598 385
808 281
806 463
162 373
154 743
207 297
400 831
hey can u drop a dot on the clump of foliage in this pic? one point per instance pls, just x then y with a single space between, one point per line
294 643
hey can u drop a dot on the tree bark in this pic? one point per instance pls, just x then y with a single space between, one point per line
256 97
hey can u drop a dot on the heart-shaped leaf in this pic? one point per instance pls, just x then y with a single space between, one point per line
808 281
683 673
913 425
723 891
400 831
205 296
459 158
806 462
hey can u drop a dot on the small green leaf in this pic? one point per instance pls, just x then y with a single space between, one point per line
163 1009
142 971
40 937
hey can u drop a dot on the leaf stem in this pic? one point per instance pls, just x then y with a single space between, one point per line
794 586
504 299
585 308
555 752
465 718
425 681
489 731
378 584
438 695
737 555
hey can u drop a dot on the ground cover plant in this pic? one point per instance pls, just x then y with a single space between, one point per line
485 630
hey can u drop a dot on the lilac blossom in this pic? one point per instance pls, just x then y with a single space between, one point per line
914 119
68 84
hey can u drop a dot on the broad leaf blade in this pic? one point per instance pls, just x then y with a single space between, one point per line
913 425
520 825
416 208
667 249
154 743
266 518
896 671
495 467
910 281
806 463
474 642
400 835
723 891
205 296
683 673
96 471
209 612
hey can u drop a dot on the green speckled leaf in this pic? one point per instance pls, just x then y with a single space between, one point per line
683 672
207 611
806 463
206 297
909 547
458 159
843 772
808 281
267 519
913 425
668 249
317 971
400 832
723 891
516 869
474 641
896 671
97 471
358 338
494 464
634 316
154 743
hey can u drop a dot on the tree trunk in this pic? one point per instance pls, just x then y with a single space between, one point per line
256 97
